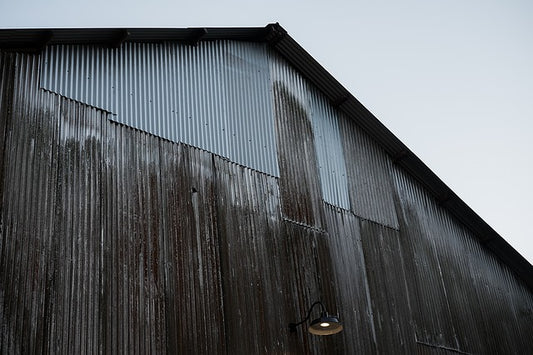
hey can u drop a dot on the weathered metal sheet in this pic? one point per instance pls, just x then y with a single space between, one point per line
50 222
300 191
325 130
190 251
370 182
114 240
461 297
386 279
349 279
270 269
215 96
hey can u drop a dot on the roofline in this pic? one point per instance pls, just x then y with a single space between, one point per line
35 40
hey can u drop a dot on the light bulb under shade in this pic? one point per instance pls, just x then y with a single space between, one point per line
318 327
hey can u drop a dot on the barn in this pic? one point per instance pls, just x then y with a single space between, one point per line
197 190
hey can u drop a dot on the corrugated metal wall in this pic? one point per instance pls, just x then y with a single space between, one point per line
114 240
215 96
323 137
461 297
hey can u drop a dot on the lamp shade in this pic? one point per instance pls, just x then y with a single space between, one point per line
325 325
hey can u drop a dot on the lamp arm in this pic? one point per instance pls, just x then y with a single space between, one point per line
293 326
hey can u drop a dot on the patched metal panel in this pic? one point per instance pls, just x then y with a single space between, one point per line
329 149
370 181
215 96
462 297
324 121
300 191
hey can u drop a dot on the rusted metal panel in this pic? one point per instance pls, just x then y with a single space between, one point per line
215 96
370 182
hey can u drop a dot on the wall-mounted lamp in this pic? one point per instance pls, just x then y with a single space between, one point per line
325 325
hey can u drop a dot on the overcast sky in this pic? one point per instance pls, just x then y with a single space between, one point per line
452 79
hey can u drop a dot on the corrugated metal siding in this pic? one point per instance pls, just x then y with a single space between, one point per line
215 96
300 191
190 256
461 296
325 128
350 280
116 241
386 279
330 155
50 274
248 207
370 183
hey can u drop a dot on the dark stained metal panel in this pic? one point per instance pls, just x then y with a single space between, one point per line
270 267
369 176
386 279
215 96
348 268
50 284
461 297
190 251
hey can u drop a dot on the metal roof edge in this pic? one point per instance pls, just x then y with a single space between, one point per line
402 155
34 40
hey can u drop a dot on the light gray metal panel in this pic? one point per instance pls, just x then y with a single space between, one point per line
330 156
215 96
327 139
369 176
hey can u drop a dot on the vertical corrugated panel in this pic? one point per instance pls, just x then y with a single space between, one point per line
369 176
325 128
248 208
301 197
387 285
462 297
215 96
350 280
273 271
133 299
431 310
330 156
51 216
190 250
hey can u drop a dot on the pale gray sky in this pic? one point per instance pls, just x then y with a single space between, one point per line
452 79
